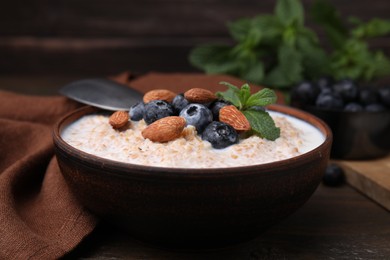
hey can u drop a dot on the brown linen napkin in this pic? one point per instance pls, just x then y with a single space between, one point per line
39 217
180 82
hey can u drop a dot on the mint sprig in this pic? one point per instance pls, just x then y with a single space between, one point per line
349 41
251 105
275 49
279 50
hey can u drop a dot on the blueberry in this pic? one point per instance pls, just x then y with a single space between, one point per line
220 135
157 109
329 101
180 102
376 107
368 96
353 107
216 106
384 96
305 93
326 91
333 176
136 112
197 115
346 89
325 83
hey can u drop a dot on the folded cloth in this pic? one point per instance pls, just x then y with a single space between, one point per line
39 216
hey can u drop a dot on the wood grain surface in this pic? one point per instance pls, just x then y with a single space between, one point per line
371 177
88 37
336 223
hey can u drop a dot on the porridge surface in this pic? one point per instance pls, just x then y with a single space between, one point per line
93 134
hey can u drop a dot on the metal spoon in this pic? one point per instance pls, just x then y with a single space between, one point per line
102 93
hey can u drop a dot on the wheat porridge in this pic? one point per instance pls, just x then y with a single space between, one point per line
92 134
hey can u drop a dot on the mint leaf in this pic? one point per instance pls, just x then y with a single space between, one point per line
262 98
373 28
230 86
254 73
213 59
226 67
325 13
314 59
262 124
356 61
239 29
238 97
289 70
290 12
231 95
327 16
244 94
270 26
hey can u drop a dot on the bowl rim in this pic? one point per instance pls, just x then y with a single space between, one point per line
309 108
120 168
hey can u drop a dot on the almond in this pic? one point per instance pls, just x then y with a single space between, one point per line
165 129
199 95
234 117
159 94
119 119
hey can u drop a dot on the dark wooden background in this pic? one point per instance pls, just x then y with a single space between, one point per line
47 43
95 37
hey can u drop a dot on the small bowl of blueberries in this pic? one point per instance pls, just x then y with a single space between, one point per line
358 115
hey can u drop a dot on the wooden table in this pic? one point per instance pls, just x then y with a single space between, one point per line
336 223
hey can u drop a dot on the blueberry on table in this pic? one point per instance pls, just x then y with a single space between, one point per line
157 109
197 115
179 102
368 96
346 89
216 106
329 101
220 135
334 175
353 107
384 96
375 107
136 111
305 93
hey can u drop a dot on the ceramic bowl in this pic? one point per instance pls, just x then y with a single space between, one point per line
357 135
192 208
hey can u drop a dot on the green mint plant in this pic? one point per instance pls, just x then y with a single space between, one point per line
252 106
277 49
351 56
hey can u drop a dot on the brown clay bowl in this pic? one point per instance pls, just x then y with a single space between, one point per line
359 135
192 208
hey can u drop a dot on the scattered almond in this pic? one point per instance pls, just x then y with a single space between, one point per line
165 129
199 95
119 119
234 117
159 94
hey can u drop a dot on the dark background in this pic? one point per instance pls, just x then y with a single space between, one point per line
102 37
47 43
